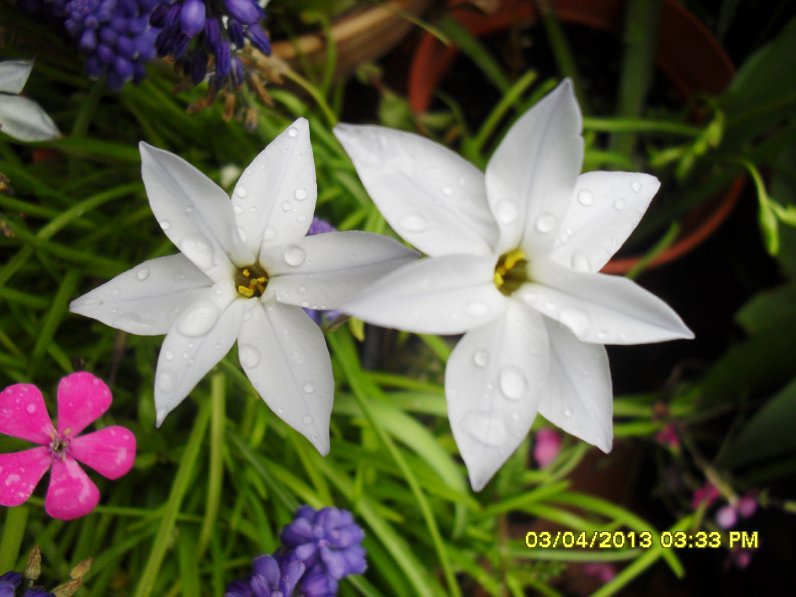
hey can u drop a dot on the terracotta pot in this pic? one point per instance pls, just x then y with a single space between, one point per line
359 37
688 55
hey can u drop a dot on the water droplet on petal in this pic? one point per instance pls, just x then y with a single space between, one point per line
506 212
602 335
546 223
297 354
294 255
241 191
490 431
576 320
619 204
166 382
447 191
169 355
198 319
579 262
115 292
249 356
477 309
198 250
242 234
30 408
269 234
306 419
585 197
286 206
567 412
164 225
142 274
237 209
300 194
513 383
132 322
414 223
481 358
292 132
636 186
309 388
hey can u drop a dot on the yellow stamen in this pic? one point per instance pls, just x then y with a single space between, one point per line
245 291
511 271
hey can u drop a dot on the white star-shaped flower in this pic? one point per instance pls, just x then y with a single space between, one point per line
514 255
20 117
245 272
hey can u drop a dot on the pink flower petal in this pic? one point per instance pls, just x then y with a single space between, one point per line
109 451
24 415
82 398
20 472
71 493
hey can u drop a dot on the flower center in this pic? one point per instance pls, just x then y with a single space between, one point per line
59 446
251 281
511 271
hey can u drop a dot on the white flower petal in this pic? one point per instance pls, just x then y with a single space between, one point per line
599 308
322 271
194 212
578 396
146 299
432 197
493 382
530 178
275 197
198 339
604 209
25 120
284 354
14 74
439 295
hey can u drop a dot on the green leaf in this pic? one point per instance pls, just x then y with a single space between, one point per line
768 309
769 433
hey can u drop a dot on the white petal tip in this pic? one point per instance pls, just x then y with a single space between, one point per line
478 481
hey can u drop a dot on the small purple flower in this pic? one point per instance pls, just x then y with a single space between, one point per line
270 578
726 517
546 447
328 541
9 583
206 37
318 584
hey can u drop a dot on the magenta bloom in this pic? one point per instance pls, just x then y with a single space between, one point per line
82 398
546 447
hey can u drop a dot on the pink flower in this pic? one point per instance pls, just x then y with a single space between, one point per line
82 398
546 447
726 517
747 505
600 570
668 437
707 494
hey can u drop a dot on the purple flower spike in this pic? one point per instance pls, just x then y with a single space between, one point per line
327 541
270 578
246 11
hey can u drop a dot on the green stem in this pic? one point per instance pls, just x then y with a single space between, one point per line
641 37
560 48
13 532
639 125
216 470
327 111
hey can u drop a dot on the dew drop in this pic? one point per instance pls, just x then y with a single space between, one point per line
306 419
166 382
636 186
546 223
300 194
567 412
30 408
585 197
198 250
132 322
576 320
506 212
447 191
414 223
242 234
602 335
481 358
142 274
165 225
198 319
305 304
477 309
286 206
309 388
241 191
294 255
619 204
169 355
490 431
237 209
297 354
579 262
269 234
249 356
292 132
512 382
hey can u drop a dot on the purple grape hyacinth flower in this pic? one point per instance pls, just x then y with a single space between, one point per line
270 577
328 541
10 581
194 31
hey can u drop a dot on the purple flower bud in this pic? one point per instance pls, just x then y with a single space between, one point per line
246 11
235 31
222 61
747 506
213 34
318 584
88 40
259 39
158 17
192 17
